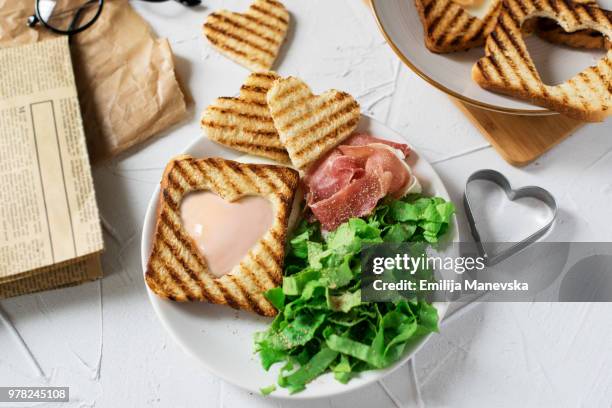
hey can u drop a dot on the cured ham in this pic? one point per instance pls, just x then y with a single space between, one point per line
351 179
363 139
332 174
376 157
357 199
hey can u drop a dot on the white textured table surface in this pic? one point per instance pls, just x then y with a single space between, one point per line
103 340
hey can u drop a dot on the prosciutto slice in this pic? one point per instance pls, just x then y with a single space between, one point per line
380 160
352 178
332 175
357 199
363 139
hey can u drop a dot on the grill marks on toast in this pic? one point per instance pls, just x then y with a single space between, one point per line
508 67
310 125
589 39
252 39
244 122
176 270
448 27
243 115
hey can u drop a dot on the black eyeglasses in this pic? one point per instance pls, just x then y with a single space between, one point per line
70 17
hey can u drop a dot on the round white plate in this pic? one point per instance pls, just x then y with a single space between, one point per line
400 24
222 338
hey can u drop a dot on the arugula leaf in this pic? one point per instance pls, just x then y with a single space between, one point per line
299 245
270 355
322 324
276 297
352 348
400 232
342 236
267 390
345 302
316 254
294 284
338 276
342 370
309 371
296 333
402 211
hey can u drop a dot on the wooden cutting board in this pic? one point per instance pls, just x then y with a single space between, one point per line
519 139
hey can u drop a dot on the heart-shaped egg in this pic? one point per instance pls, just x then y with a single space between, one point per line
224 231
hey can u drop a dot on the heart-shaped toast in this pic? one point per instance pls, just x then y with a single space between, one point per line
508 68
252 39
501 181
449 27
310 125
177 270
244 122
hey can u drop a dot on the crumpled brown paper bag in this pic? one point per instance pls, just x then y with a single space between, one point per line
128 88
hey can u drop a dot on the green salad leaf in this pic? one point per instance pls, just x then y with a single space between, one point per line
268 390
322 324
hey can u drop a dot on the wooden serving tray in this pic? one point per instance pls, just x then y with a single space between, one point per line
519 139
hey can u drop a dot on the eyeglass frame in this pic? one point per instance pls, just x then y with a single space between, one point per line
36 17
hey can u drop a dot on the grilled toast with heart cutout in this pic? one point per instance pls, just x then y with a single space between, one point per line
176 269
244 122
508 68
252 39
310 125
449 27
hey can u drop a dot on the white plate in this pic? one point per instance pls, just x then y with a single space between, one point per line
400 24
222 338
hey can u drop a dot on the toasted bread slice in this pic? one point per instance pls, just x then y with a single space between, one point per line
507 67
244 122
252 39
310 125
176 270
449 27
588 39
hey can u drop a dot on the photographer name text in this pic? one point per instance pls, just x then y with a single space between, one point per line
448 285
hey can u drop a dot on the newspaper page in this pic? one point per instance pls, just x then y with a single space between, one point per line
126 76
48 210
53 277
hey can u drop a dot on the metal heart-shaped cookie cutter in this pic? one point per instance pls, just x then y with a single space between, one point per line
530 191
